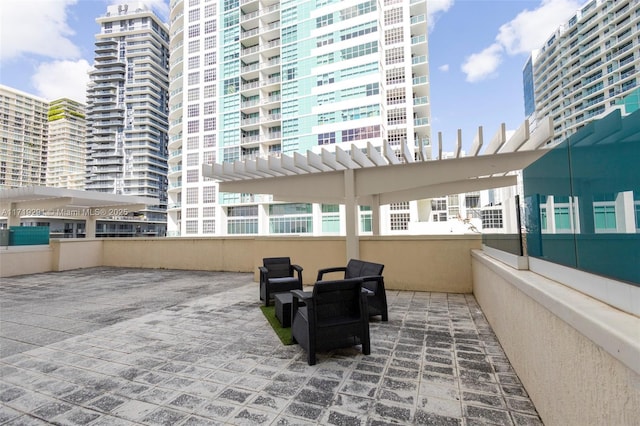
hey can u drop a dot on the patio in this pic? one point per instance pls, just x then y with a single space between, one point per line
122 346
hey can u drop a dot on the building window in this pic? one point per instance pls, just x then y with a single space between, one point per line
472 201
326 138
209 226
210 108
439 204
399 221
209 141
210 27
210 59
325 20
193 110
492 219
399 206
395 76
605 217
193 62
193 94
193 159
366 220
210 75
396 116
369 132
193 175
194 30
562 218
193 78
290 219
191 213
193 142
209 124
192 195
194 15
210 42
209 211
393 16
393 36
191 227
394 56
242 220
194 46
193 126
209 194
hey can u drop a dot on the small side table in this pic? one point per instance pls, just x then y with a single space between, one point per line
283 308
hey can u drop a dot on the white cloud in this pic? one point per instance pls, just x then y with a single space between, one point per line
526 32
36 26
444 68
483 64
531 28
62 79
436 8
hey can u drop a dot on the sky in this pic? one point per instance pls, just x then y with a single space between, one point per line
477 50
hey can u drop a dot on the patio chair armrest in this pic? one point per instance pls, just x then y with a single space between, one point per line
303 296
379 282
323 271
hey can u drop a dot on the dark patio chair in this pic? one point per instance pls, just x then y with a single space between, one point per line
372 280
278 275
334 316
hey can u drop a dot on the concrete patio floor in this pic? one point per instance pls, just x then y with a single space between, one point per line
114 346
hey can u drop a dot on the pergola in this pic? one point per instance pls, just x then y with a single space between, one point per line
376 178
31 201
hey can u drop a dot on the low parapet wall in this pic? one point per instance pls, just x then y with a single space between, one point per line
578 358
418 263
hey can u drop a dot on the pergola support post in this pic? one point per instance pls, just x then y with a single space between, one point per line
351 215
375 214
90 227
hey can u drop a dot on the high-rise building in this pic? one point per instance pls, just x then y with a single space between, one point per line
127 107
589 64
23 139
67 148
255 78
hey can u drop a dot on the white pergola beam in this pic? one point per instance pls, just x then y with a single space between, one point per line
360 157
345 159
519 138
542 134
390 153
374 155
301 162
315 161
329 159
477 143
497 141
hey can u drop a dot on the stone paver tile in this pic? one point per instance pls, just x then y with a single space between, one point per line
164 417
433 419
134 410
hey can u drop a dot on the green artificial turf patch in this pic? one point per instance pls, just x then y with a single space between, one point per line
283 333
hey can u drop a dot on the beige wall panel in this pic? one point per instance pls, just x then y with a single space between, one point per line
207 254
570 379
76 254
440 264
23 261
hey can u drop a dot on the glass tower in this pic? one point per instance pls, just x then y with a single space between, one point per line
255 78
127 107
67 150
587 66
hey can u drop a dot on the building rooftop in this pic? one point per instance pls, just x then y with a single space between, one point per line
122 346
